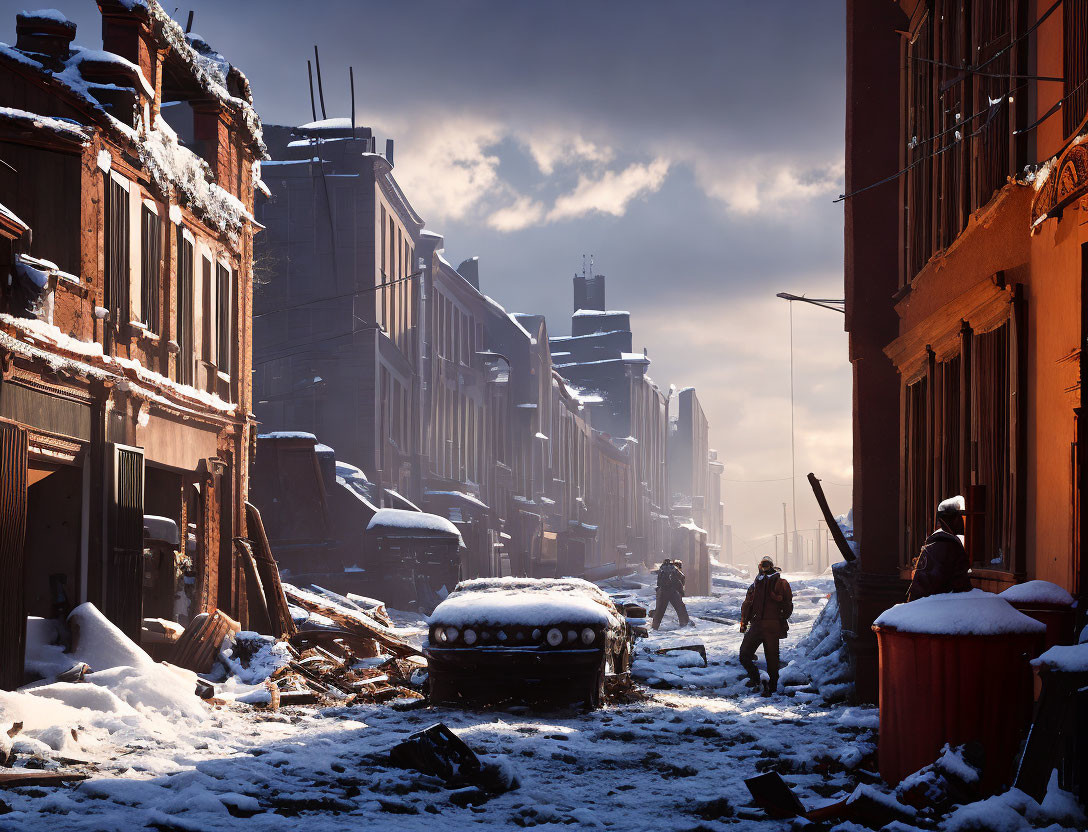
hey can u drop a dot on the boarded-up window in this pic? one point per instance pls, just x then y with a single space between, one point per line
992 446
117 251
185 309
1075 108
223 318
918 459
150 264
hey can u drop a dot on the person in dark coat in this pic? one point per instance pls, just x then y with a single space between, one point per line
670 590
942 566
764 620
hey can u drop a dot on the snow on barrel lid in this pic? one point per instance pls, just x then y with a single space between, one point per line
1066 659
1037 592
974 613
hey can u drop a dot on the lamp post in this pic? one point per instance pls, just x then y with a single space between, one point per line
834 306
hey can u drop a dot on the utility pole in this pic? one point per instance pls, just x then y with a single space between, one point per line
793 446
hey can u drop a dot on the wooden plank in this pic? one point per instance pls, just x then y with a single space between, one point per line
276 602
829 518
259 619
10 779
356 622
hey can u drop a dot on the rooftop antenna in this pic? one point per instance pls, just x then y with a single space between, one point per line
351 78
313 107
320 86
591 265
189 22
583 267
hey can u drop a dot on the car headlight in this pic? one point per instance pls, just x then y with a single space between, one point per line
588 635
470 636
501 636
536 635
555 637
438 635
572 635
451 634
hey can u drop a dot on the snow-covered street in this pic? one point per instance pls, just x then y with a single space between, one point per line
674 759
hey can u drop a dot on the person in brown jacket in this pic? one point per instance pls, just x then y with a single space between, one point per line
942 565
764 619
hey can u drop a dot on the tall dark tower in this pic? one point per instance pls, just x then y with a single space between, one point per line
589 292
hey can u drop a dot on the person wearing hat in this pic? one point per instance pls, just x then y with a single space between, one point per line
670 590
942 565
764 620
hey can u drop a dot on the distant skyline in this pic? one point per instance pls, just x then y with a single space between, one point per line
694 149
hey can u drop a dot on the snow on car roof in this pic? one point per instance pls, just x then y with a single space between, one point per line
526 602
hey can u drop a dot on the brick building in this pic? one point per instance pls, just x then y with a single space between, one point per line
965 287
128 182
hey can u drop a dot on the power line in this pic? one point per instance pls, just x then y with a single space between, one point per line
374 288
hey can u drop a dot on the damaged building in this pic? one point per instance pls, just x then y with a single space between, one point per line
124 337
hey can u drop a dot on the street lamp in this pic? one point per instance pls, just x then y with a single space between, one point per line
834 306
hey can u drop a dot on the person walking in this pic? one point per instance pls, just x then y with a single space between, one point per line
670 590
942 565
764 619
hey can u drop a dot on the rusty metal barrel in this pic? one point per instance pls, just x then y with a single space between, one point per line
955 669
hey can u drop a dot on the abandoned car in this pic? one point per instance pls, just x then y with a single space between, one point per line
554 639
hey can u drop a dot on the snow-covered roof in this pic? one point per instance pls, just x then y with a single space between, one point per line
350 472
974 613
287 434
338 123
11 217
61 126
597 313
526 602
391 520
460 495
1037 592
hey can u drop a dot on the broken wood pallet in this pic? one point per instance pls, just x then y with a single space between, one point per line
352 621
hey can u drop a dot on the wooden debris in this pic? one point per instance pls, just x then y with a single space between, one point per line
199 644
259 619
14 778
353 621
276 603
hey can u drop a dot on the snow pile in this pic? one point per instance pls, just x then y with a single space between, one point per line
38 122
1072 659
821 659
974 613
254 657
172 164
526 602
1037 592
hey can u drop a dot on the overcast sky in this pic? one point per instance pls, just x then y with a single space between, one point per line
693 147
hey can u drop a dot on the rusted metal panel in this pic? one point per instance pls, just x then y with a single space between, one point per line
124 570
40 409
13 476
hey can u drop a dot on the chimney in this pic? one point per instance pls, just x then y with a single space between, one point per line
389 151
47 33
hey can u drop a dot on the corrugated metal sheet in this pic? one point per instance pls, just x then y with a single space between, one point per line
13 460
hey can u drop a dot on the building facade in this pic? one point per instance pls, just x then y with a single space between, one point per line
128 182
336 324
965 289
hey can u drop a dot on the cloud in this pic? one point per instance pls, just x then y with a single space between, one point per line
762 186
610 192
522 213
446 164
550 150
